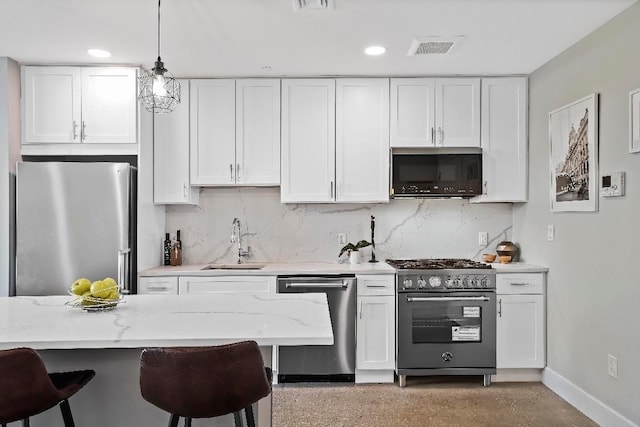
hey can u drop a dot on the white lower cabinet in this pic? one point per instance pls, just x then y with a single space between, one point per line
226 284
158 285
375 329
520 326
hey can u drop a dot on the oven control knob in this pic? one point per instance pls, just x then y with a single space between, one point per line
483 282
435 281
465 282
449 282
473 283
421 283
447 356
458 282
407 283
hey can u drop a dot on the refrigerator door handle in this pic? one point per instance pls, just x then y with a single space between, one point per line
123 255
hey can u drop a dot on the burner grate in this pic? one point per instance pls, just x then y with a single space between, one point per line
436 264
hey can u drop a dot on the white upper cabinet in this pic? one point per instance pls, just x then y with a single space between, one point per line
109 105
435 112
504 139
73 105
235 132
171 184
362 140
51 105
258 132
213 131
308 140
335 140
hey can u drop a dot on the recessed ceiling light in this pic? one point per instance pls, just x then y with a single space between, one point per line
375 50
99 53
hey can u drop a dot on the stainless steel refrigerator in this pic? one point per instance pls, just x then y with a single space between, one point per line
73 220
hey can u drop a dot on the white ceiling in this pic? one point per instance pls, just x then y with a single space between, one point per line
216 38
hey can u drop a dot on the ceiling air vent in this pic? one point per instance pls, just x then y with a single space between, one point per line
433 45
312 4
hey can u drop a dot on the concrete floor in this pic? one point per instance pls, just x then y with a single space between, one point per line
426 401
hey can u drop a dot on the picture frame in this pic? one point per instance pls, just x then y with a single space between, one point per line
634 121
573 156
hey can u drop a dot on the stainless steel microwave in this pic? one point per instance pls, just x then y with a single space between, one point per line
437 173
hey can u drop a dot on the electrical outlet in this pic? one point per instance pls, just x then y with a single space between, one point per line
483 238
612 366
551 233
342 238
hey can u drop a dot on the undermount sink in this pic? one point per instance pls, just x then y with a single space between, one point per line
234 267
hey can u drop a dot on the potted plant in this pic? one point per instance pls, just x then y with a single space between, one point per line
352 251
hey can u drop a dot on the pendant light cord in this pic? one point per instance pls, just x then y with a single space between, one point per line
158 29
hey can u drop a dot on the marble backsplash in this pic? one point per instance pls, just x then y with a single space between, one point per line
277 232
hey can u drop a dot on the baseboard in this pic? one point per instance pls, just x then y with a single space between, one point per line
584 402
517 375
374 376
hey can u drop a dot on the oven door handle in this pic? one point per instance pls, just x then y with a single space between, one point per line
426 299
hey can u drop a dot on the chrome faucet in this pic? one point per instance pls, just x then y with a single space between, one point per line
236 236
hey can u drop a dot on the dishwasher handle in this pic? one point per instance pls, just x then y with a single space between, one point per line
311 285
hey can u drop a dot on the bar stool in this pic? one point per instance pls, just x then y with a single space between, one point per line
26 389
204 382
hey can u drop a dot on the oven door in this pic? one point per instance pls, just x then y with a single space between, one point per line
446 330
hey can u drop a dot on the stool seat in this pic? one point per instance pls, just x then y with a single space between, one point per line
27 389
204 382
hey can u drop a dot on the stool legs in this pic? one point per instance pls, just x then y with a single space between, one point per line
66 414
249 413
173 421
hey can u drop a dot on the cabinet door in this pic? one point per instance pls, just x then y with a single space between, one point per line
375 337
171 154
504 139
308 140
51 103
457 112
520 331
362 140
226 284
258 132
412 112
109 105
158 286
213 128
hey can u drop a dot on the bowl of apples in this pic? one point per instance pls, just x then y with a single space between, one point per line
99 295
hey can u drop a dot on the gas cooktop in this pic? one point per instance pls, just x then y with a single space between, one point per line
436 264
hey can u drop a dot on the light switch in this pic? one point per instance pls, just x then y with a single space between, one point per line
551 233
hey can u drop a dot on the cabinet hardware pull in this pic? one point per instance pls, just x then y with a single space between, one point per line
157 288
500 307
331 189
433 135
184 190
360 314
83 131
440 136
519 284
376 286
237 171
75 126
484 189
230 172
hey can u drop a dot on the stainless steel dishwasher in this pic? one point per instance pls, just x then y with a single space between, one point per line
322 362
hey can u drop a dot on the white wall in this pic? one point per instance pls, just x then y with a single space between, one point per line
308 232
593 282
9 154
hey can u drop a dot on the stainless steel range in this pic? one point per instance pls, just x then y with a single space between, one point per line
446 318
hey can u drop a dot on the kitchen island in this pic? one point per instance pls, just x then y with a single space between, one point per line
110 342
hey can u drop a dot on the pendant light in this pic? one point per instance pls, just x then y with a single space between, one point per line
159 90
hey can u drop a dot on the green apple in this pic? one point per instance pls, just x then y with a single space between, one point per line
110 282
80 286
113 295
87 299
100 289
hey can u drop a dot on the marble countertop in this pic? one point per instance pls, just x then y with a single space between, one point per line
45 322
518 267
273 269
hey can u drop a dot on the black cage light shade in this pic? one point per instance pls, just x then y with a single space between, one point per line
159 90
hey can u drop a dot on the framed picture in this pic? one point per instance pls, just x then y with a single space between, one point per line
573 156
634 121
